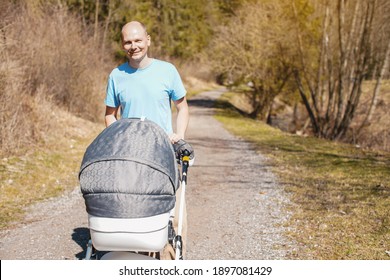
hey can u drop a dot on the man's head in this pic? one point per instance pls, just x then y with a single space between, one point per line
135 42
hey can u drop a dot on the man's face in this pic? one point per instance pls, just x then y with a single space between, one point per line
135 42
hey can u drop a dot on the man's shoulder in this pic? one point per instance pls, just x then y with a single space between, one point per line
121 68
163 64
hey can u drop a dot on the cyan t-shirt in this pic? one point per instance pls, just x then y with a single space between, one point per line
145 92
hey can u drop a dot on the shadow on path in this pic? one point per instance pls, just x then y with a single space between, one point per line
219 104
81 237
205 103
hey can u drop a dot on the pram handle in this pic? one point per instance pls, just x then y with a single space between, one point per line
184 151
184 155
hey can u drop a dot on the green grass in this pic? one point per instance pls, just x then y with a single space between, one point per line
340 194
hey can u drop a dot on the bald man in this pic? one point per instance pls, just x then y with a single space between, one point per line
144 87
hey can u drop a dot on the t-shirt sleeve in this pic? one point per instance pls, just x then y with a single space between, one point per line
178 90
111 98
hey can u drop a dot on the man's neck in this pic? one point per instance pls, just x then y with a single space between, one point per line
145 62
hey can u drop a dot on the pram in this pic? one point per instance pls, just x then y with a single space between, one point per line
129 177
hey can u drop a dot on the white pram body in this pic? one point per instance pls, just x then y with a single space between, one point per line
138 234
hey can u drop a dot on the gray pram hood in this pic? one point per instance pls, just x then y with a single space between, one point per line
129 171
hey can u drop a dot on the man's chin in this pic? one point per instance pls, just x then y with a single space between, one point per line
137 57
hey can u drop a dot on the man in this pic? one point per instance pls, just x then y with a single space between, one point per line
144 87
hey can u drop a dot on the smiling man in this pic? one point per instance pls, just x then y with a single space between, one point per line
145 86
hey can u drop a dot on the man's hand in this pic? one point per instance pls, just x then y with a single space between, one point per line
111 115
180 147
175 138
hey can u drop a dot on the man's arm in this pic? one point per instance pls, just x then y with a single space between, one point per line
181 119
111 115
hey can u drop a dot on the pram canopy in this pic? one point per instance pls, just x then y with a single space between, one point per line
129 171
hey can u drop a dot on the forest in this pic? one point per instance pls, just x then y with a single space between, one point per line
310 67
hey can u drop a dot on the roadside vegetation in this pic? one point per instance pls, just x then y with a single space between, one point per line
340 194
314 55
46 171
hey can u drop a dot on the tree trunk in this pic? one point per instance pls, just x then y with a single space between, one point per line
307 104
83 13
374 99
361 65
107 23
342 63
304 67
96 28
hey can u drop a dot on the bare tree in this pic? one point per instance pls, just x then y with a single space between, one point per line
333 67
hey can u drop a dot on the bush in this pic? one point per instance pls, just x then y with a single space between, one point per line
47 63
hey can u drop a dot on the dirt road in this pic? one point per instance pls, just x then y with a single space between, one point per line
234 204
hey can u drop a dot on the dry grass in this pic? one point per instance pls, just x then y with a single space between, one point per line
340 194
46 61
50 73
46 171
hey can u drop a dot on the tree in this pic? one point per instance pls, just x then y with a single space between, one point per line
251 50
382 31
332 67
179 28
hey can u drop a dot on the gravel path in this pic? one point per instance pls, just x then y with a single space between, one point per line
234 204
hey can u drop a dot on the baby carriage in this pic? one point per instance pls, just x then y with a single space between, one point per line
129 177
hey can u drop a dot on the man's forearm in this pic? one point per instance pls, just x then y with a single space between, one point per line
109 119
182 121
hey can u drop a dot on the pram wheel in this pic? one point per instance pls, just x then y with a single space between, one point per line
91 253
171 233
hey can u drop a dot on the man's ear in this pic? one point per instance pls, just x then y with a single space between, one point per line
149 40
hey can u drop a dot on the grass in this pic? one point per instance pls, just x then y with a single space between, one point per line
48 171
340 194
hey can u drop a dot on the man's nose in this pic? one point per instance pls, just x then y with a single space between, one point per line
133 46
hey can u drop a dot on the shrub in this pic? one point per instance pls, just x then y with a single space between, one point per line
47 63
